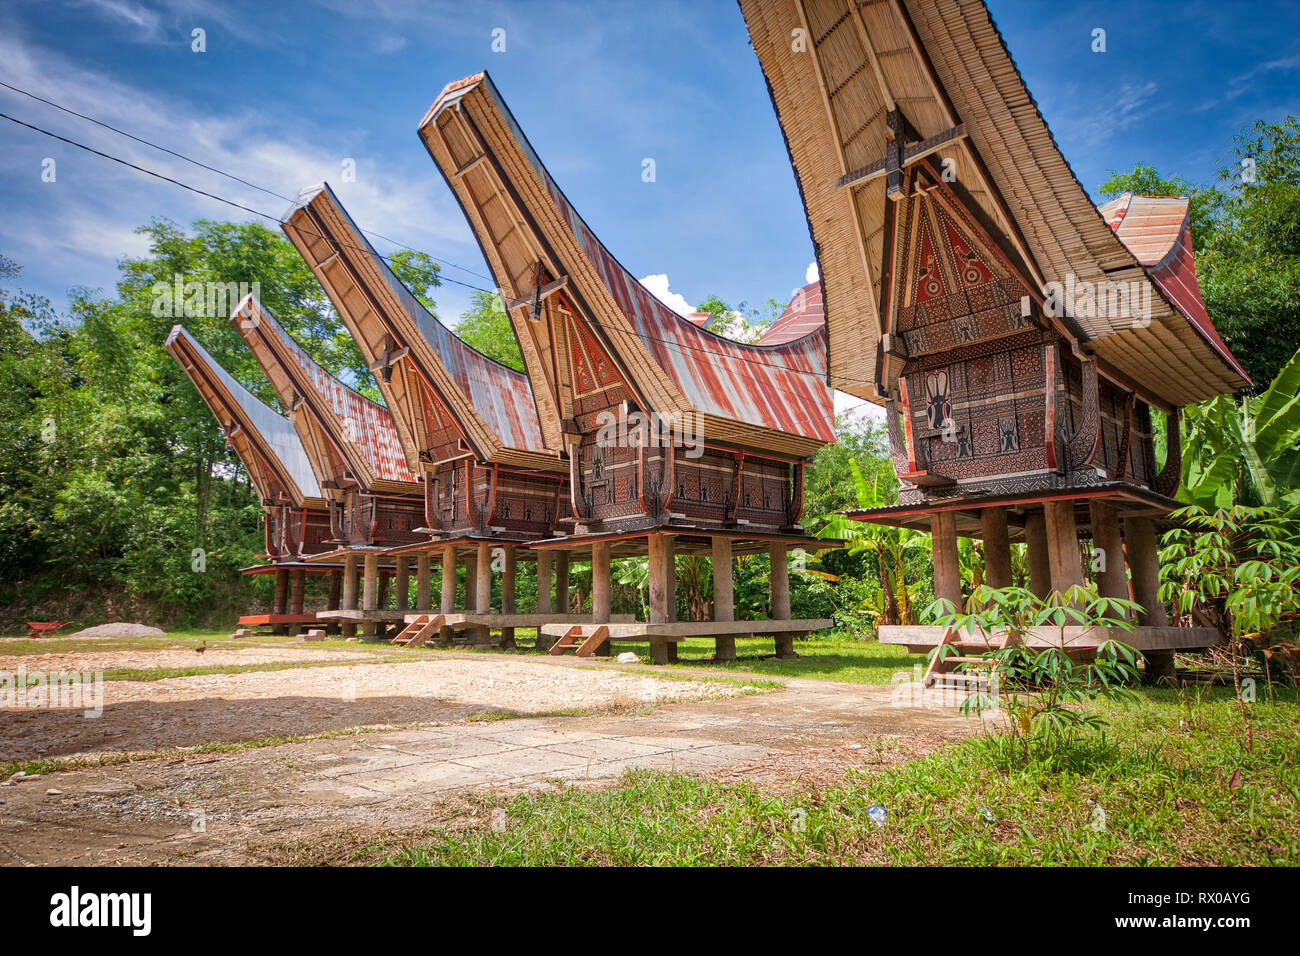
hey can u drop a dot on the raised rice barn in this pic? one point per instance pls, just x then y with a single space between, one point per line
1018 339
676 440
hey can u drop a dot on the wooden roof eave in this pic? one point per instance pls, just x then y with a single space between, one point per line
219 401
323 424
386 313
536 216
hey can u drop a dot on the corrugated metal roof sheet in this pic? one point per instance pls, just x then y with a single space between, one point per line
500 395
277 431
782 388
367 424
803 316
1158 231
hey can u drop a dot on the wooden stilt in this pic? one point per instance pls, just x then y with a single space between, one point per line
349 628
483 590
947 569
1062 545
422 582
1040 568
600 589
658 593
508 569
297 591
562 582
402 583
336 590
670 577
1107 551
779 581
1141 547
997 547
544 559
370 591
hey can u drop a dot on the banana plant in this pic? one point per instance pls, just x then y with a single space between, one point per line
1245 451
889 545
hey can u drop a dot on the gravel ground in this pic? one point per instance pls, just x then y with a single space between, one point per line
171 657
226 708
119 629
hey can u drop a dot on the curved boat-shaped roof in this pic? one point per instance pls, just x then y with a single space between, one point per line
880 89
268 435
493 403
362 430
522 217
1158 231
803 316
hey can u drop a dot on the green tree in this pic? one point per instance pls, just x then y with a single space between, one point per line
1246 236
486 326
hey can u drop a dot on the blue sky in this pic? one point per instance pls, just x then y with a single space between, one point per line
286 92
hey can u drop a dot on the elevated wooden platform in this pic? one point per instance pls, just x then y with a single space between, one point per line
918 639
665 637
494 619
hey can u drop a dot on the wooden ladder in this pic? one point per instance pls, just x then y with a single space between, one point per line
979 671
578 639
417 632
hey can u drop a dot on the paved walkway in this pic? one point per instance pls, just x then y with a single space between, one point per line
231 807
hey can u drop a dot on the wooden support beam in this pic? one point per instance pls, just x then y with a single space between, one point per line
1040 568
670 576
997 547
600 584
562 582
448 579
779 579
1140 546
297 590
422 597
402 583
369 590
947 569
336 590
724 607
509 567
1062 545
543 581
1107 550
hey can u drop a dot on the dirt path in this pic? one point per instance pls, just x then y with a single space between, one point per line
241 807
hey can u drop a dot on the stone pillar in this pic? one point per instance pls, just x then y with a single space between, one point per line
1141 546
724 605
562 582
369 590
448 602
483 590
1040 569
997 547
1108 550
402 583
349 628
543 582
658 582
947 569
1062 545
422 599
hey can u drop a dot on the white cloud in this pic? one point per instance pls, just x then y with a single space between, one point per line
812 275
658 285
82 223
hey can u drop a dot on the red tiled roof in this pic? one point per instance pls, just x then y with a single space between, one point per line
1158 231
803 316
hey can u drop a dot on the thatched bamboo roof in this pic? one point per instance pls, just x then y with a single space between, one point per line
839 71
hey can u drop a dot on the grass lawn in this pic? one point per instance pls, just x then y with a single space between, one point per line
1167 797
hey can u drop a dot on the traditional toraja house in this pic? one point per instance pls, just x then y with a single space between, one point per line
468 427
1019 341
676 440
375 502
803 316
294 509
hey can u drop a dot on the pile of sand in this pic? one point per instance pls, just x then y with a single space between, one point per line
119 629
